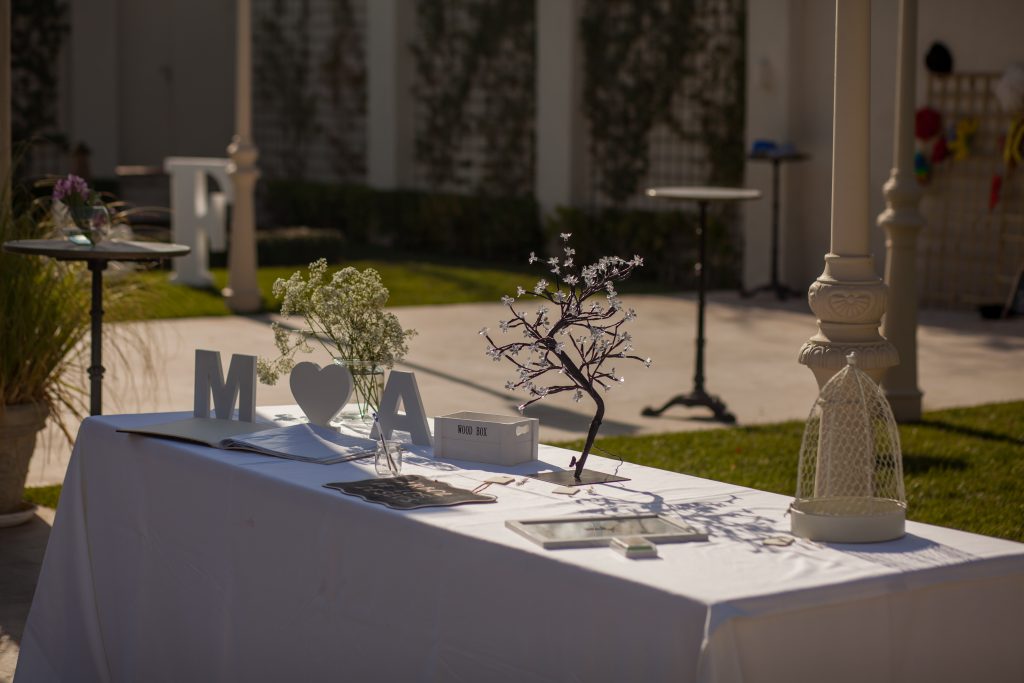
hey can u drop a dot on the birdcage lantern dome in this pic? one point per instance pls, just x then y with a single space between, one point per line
850 478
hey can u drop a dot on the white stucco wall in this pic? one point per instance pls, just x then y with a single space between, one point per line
150 79
789 98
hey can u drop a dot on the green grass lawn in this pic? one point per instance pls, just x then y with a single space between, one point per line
964 468
411 283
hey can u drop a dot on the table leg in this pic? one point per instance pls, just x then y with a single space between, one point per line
96 339
698 374
775 230
698 397
782 292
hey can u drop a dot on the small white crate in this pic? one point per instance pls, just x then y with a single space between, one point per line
491 439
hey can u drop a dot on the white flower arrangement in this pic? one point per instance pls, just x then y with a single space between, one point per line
577 342
343 312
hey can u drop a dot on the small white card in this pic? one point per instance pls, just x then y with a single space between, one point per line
500 479
565 490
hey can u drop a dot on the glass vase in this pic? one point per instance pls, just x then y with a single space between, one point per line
367 385
89 224
388 463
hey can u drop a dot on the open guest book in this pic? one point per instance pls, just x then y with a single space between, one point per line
303 442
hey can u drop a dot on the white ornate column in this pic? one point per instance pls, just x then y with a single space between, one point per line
848 298
902 222
242 292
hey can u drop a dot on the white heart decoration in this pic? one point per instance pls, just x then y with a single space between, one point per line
320 392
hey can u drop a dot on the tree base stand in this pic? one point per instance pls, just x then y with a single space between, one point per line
697 397
568 477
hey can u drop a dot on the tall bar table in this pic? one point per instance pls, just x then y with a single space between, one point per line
97 256
703 196
777 157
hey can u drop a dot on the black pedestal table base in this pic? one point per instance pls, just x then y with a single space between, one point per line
782 292
97 256
703 196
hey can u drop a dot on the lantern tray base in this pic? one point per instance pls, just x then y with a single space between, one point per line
871 520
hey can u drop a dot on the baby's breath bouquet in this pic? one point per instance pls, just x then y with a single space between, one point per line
344 313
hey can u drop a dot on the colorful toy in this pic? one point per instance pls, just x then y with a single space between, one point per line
960 146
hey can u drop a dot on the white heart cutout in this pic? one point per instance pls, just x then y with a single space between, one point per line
320 392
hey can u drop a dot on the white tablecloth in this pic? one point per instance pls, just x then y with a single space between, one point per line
173 562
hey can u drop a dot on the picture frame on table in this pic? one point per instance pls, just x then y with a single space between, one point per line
598 531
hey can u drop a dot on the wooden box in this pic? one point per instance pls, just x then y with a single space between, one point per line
492 439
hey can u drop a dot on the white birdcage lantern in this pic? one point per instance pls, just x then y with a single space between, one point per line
850 482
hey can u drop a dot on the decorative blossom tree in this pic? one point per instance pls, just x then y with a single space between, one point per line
573 337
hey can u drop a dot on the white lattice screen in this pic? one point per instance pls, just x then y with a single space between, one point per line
969 252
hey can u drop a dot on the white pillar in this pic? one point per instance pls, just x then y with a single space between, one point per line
389 107
242 292
770 42
559 122
902 222
5 97
848 298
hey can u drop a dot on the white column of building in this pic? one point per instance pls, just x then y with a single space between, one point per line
559 123
848 298
902 222
770 41
242 292
389 106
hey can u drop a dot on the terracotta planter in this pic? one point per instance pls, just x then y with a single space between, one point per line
19 425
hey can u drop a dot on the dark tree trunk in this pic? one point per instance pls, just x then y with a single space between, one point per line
592 434
583 383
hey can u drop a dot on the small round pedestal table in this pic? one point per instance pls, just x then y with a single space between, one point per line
782 292
97 256
703 196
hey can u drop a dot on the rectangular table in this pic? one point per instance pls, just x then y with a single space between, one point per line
174 562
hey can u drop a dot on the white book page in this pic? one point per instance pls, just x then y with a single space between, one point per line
307 442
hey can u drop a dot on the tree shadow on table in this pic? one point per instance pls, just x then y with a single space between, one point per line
722 517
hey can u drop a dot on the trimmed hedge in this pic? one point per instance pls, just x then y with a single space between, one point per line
667 241
292 247
490 229
496 229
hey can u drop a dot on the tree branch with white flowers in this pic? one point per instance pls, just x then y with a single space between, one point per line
575 330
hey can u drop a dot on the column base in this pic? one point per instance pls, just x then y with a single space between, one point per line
906 406
243 302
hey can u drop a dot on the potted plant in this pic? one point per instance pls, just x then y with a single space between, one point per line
43 315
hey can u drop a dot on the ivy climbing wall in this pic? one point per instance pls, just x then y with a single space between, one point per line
663 97
972 244
309 96
475 67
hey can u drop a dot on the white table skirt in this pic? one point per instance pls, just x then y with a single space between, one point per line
173 562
